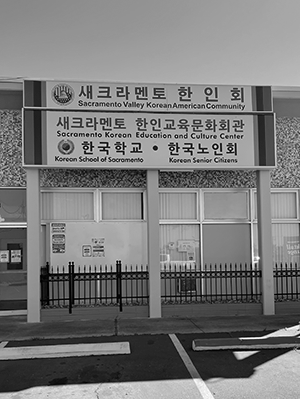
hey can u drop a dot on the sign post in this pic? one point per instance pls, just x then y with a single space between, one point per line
33 245
153 244
265 245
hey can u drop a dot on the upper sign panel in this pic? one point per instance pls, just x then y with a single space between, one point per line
145 97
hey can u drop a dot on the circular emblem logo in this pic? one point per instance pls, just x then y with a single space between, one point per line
62 94
66 147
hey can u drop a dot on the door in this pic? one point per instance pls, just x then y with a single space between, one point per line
13 269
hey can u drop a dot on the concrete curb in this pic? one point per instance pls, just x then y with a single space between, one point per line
55 351
245 343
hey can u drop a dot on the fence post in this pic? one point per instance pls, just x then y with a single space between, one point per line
71 286
73 283
45 271
119 284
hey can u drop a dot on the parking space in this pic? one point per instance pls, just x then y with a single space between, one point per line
153 367
158 366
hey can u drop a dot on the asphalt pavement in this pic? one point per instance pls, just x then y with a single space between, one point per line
161 362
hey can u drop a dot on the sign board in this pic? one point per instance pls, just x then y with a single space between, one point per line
147 126
146 97
58 227
83 139
86 251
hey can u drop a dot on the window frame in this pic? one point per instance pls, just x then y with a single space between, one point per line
246 220
69 191
12 225
99 204
279 191
274 221
182 221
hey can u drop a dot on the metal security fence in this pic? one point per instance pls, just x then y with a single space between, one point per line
211 284
120 285
287 282
92 286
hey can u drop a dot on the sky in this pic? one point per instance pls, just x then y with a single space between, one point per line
253 42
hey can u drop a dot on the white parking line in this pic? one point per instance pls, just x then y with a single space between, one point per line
293 331
3 344
202 387
54 351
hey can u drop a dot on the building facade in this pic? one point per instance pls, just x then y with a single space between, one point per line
98 216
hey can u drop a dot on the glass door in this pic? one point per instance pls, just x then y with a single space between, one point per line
13 269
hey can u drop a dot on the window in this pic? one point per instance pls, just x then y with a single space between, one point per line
67 205
122 206
225 238
285 227
179 245
285 242
226 243
283 205
12 205
178 206
205 226
226 205
179 240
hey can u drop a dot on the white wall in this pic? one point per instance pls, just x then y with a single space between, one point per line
125 241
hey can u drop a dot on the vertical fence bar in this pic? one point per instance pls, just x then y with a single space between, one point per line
230 281
210 281
58 285
236 281
142 284
71 285
78 291
119 284
52 284
286 281
281 280
291 279
246 279
45 284
48 283
225 281
216 280
221 281
137 285
90 285
96 285
250 286
297 275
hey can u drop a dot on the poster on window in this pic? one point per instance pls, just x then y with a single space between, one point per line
58 243
4 256
15 256
292 247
